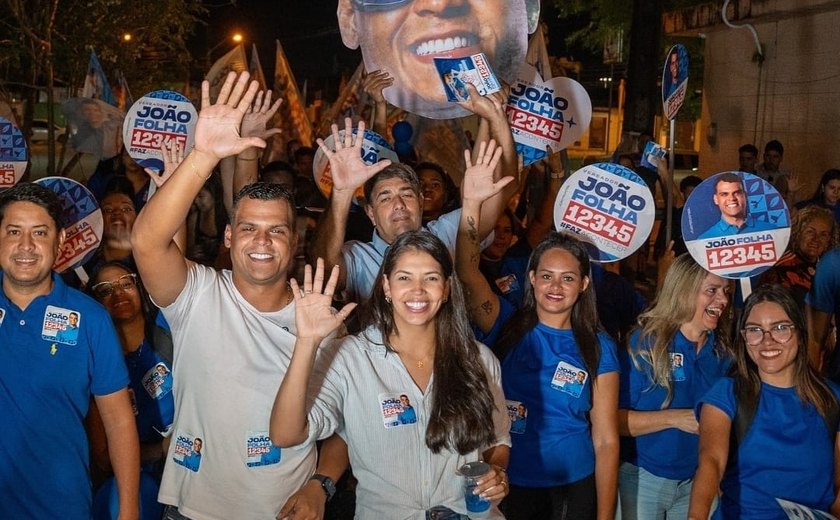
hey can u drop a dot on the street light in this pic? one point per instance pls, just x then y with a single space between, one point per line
126 37
235 38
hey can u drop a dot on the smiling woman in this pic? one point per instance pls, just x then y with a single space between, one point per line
774 404
414 384
678 351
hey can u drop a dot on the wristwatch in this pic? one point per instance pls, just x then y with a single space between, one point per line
326 484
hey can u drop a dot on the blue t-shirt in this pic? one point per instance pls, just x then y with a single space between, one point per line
543 371
670 453
45 389
151 385
750 225
786 453
824 295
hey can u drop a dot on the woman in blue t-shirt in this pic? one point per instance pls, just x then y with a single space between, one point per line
788 449
673 357
558 364
147 347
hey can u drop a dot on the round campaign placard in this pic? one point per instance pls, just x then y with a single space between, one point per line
82 222
610 205
374 149
554 112
158 118
735 224
674 81
14 155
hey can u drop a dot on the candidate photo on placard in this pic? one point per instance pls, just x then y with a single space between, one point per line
674 80
402 37
736 224
94 126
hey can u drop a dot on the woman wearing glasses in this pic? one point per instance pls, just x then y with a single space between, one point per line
674 356
778 416
147 347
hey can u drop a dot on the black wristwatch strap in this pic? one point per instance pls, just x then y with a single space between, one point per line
326 484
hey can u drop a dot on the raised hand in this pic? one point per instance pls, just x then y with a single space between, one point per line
553 162
347 168
374 83
314 316
794 183
172 158
258 115
488 107
217 132
478 178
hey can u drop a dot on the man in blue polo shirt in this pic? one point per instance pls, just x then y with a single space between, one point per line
731 198
49 374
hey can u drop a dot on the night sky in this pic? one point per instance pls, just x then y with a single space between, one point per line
307 29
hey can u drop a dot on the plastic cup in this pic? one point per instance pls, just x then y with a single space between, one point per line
472 472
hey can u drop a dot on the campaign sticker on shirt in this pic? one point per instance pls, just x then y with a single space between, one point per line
187 451
374 149
674 81
608 204
259 451
2 315
14 155
508 283
61 325
397 410
569 378
677 366
160 117
518 414
158 381
82 222
735 224
553 112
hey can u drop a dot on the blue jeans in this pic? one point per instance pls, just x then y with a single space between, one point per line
644 496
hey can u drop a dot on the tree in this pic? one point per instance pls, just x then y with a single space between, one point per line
641 23
49 44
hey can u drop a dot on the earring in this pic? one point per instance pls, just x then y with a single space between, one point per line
388 299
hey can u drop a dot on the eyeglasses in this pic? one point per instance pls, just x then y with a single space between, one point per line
126 282
378 5
780 333
122 209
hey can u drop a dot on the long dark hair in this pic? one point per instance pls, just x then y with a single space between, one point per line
462 403
832 174
809 386
584 314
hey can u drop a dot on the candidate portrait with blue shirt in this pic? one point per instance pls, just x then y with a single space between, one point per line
731 198
408 415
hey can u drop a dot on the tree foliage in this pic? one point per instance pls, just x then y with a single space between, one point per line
606 17
157 50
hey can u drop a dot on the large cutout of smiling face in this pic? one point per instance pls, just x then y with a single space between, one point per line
403 37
